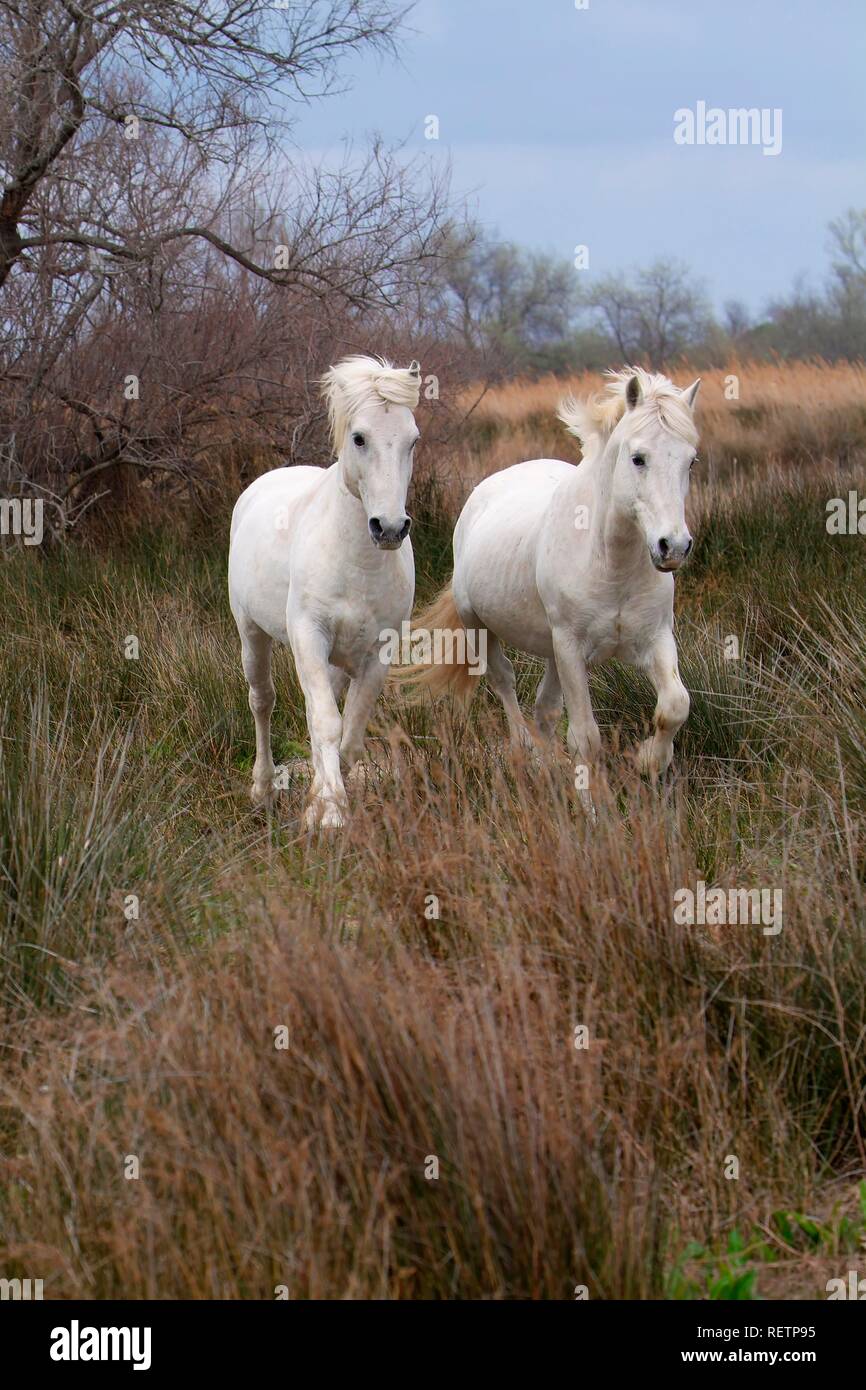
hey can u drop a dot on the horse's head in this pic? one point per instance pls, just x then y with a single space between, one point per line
654 444
370 404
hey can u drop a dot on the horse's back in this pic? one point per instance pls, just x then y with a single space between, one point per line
509 505
496 543
534 479
280 487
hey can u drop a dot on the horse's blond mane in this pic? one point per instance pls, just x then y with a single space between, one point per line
350 384
593 421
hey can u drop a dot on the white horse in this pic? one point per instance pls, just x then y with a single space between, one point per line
576 564
317 561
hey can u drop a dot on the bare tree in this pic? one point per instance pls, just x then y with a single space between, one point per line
653 314
218 74
848 245
506 303
737 320
830 323
847 289
147 193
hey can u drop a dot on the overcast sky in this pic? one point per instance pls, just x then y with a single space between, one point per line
559 126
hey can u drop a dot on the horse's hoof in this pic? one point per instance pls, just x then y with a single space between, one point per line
587 805
648 762
363 776
524 739
327 817
540 755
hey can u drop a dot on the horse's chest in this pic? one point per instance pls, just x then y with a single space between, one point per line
362 623
618 631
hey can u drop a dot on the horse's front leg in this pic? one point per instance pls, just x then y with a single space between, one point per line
584 738
364 691
310 650
672 705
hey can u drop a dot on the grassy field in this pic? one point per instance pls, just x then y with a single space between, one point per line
238 1059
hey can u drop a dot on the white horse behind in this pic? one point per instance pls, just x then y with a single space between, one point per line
576 564
317 561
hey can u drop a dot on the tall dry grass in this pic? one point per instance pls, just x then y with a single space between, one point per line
751 415
451 1038
431 964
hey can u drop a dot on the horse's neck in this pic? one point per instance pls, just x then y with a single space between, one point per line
615 542
351 529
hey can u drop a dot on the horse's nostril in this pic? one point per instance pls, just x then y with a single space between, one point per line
689 546
663 547
405 528
375 527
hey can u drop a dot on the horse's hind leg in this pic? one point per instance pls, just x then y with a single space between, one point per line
501 674
363 693
339 680
584 738
548 700
256 648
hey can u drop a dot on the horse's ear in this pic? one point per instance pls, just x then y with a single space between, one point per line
690 393
632 392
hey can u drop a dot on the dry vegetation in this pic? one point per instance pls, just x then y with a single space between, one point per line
787 413
412 1035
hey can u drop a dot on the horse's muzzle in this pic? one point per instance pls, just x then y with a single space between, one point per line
389 537
667 556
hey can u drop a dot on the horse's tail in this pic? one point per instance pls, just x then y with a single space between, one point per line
439 631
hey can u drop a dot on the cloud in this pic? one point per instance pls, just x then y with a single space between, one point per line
738 219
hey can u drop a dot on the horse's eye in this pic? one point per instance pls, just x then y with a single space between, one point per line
638 460
358 440
694 461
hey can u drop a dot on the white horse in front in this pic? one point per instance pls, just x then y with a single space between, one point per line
576 564
317 561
